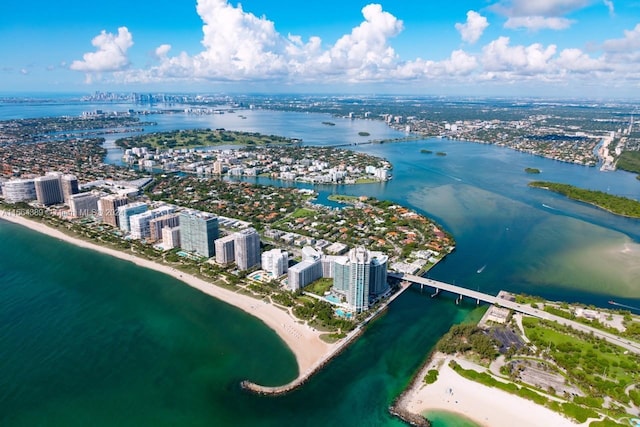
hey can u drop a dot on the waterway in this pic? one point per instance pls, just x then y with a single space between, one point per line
85 339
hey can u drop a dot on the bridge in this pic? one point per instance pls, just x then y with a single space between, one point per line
461 292
458 290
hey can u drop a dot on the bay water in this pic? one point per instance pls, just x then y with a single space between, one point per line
89 340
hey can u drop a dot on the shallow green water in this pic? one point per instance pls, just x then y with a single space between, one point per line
447 419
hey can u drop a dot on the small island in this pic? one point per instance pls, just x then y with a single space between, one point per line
202 138
343 198
615 204
629 161
532 170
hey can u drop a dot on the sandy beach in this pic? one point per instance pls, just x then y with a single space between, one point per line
483 405
305 343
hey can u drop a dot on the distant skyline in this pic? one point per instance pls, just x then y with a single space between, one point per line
560 48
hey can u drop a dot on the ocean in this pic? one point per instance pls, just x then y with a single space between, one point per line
90 340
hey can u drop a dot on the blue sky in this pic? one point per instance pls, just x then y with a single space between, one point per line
572 48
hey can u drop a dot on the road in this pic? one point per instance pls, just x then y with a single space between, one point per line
631 346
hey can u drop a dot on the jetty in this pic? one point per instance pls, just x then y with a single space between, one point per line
343 344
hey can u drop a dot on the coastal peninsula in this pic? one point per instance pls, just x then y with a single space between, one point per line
315 165
289 229
514 368
615 204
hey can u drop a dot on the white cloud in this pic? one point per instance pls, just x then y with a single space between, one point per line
575 60
458 64
546 8
624 53
111 53
162 50
539 14
472 30
610 6
237 42
240 46
525 60
535 23
631 41
365 52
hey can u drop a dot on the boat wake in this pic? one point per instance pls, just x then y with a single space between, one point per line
624 305
481 269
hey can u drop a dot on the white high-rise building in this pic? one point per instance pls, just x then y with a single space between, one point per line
275 262
359 275
358 292
83 204
225 249
303 273
19 190
140 223
247 248
125 213
171 237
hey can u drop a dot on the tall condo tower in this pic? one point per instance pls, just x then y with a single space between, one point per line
247 248
198 232
358 293
19 190
225 249
49 189
275 262
109 208
69 186
127 211
359 275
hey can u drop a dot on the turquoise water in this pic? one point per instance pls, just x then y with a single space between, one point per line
341 313
447 419
333 299
89 340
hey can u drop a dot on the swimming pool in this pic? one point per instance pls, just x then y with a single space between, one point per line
333 299
341 313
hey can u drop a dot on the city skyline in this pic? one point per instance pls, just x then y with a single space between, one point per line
497 47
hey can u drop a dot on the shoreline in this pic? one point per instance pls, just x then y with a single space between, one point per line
586 202
483 405
310 351
340 346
